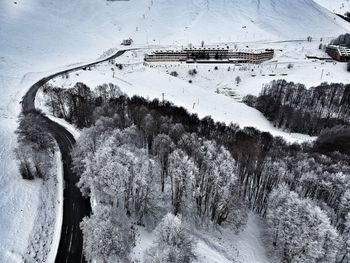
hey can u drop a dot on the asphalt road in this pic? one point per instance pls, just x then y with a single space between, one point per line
75 207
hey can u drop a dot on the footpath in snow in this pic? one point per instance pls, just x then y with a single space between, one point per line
217 247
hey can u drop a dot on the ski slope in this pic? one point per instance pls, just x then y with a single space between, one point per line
186 21
335 6
41 36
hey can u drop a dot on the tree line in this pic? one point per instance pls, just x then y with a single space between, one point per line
293 107
35 146
150 158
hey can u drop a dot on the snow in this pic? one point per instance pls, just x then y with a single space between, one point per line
335 6
192 21
249 242
144 240
59 210
209 255
216 247
41 36
46 232
19 199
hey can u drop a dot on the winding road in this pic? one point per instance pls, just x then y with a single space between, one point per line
75 207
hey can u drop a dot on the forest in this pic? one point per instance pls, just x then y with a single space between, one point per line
161 167
292 107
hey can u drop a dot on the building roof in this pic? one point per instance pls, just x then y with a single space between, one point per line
208 49
343 51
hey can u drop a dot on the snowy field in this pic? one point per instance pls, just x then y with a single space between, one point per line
42 36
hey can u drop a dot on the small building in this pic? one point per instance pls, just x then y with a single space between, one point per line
127 42
339 53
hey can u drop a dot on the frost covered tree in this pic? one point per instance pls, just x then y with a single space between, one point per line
141 196
108 236
182 171
32 132
35 145
176 131
162 146
118 173
148 158
344 209
344 254
301 231
216 184
173 244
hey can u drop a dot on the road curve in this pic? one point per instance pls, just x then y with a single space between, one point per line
75 207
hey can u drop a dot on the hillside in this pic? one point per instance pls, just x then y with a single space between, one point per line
95 26
219 21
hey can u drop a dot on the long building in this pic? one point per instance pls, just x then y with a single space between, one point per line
338 53
211 55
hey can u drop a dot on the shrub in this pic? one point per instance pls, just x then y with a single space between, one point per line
174 74
192 72
24 169
238 80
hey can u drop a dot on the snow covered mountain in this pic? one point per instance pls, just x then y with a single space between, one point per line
87 25
223 20
68 31
42 35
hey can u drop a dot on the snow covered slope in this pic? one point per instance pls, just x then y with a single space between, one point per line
236 20
336 6
43 35
57 27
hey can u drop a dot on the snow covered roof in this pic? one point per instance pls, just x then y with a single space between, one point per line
206 48
255 51
343 51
